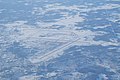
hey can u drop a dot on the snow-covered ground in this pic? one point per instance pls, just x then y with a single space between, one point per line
59 40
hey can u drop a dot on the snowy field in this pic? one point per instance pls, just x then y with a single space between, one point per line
59 39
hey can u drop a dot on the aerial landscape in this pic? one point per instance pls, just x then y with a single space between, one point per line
59 39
